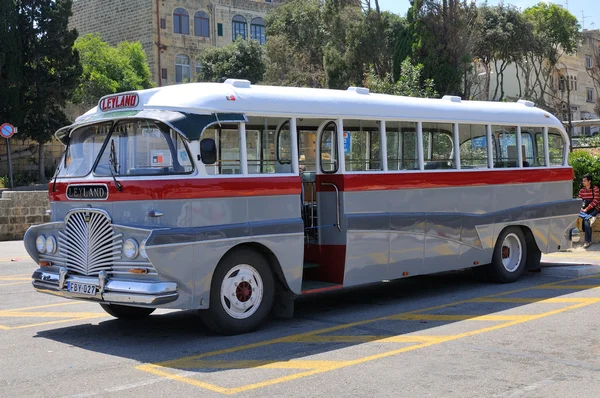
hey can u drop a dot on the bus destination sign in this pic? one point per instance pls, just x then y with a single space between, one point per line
87 192
119 102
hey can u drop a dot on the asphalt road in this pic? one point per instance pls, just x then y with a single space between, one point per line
439 336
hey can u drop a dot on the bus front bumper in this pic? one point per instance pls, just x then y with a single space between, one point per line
103 288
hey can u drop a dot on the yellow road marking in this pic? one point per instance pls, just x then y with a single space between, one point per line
49 323
573 287
537 300
262 364
326 366
363 339
69 316
436 317
23 314
15 283
46 306
15 278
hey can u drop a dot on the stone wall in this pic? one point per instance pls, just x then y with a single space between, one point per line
21 209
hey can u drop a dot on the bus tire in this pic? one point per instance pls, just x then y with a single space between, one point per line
510 256
241 294
127 313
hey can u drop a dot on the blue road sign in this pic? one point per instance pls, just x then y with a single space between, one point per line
7 130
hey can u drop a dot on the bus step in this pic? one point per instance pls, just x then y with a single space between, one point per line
309 287
311 265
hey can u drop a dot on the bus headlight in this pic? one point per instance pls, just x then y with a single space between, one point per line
51 245
143 249
40 244
130 248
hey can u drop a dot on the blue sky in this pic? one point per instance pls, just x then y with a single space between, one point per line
590 12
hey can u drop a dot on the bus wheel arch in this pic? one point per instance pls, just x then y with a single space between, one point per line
242 291
509 257
534 254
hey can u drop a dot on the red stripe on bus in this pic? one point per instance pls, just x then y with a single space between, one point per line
196 188
420 180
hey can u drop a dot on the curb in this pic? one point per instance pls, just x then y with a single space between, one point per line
569 270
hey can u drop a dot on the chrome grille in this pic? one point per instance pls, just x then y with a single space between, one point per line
89 243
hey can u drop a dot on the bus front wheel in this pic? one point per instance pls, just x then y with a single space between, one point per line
241 294
509 258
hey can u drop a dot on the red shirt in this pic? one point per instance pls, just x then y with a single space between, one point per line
592 196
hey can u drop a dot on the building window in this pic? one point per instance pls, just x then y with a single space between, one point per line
201 24
573 80
590 94
164 73
181 21
198 69
219 29
588 62
163 23
257 30
239 27
182 69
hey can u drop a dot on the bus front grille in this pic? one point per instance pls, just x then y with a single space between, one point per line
89 243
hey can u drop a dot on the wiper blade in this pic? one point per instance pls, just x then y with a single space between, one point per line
112 158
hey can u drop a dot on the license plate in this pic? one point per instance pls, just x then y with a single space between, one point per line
81 288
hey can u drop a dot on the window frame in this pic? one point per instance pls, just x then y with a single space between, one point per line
189 67
201 18
179 19
238 21
262 39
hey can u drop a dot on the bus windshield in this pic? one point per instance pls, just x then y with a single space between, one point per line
144 147
84 146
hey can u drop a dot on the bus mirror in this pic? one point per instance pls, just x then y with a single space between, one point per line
208 151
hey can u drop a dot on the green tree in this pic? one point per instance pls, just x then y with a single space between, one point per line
555 32
441 38
109 70
295 45
11 61
50 68
409 84
239 60
502 39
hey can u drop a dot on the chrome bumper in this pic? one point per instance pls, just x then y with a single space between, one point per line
109 290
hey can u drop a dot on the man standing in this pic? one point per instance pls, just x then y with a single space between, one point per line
590 207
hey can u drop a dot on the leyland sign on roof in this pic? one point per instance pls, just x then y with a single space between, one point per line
118 102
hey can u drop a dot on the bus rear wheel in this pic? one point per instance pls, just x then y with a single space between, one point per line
509 258
241 294
125 312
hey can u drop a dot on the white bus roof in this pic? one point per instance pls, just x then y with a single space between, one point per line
239 96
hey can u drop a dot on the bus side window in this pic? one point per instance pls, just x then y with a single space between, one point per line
473 146
401 138
362 145
268 146
556 146
228 149
438 147
507 146
539 145
534 150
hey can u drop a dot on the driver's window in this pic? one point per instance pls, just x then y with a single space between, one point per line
144 148
328 148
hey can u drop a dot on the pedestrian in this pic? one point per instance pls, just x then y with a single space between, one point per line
590 194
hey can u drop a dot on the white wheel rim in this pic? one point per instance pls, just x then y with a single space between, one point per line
512 252
241 291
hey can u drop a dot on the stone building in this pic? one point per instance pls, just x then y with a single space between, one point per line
172 32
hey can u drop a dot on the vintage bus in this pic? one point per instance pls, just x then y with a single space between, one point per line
232 198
